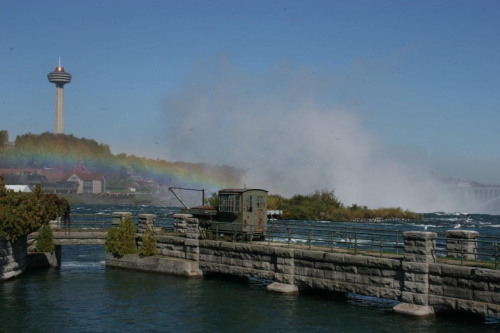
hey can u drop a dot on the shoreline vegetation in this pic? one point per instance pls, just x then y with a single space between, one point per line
325 206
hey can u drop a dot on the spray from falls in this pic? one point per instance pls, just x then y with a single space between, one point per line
282 128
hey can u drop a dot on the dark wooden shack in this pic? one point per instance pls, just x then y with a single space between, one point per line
244 209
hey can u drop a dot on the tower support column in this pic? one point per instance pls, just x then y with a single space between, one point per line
59 116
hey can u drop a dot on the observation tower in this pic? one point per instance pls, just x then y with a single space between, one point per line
59 77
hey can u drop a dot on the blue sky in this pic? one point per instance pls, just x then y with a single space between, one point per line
418 80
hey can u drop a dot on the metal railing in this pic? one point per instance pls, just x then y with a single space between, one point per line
329 236
325 237
484 250
104 221
89 221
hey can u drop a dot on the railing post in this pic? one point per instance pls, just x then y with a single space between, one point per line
397 242
330 237
309 236
495 246
288 230
381 245
373 237
355 243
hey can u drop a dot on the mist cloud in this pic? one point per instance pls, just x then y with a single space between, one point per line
280 128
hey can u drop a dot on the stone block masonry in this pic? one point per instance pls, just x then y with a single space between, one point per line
422 285
462 244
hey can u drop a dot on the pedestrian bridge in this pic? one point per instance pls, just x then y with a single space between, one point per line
74 237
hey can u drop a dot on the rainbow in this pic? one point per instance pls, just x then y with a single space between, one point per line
194 175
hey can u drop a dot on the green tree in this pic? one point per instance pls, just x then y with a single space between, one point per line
213 200
4 138
121 240
148 247
45 241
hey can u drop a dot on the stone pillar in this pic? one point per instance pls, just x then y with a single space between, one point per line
145 221
462 244
284 272
420 251
192 242
117 217
180 222
186 224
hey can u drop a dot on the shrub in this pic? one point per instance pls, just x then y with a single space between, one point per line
148 247
22 213
113 242
45 241
121 240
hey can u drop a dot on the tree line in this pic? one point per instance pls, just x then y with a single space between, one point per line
324 205
64 152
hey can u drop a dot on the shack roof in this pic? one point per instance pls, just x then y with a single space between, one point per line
239 190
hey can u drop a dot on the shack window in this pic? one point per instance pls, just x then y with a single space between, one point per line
230 203
226 204
249 203
237 203
261 202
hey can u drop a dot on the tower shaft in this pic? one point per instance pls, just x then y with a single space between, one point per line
59 115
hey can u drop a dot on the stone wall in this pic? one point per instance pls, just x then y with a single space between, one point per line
305 269
459 288
156 264
422 285
13 257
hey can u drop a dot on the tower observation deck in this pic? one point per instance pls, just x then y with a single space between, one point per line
59 77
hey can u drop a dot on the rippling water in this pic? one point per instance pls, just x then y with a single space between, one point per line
85 296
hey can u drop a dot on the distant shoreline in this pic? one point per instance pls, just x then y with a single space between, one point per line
117 199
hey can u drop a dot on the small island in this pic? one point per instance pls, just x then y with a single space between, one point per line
324 205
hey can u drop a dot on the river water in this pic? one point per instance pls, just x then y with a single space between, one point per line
85 296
